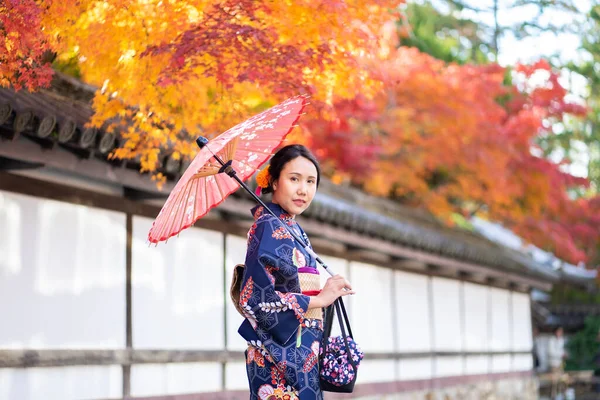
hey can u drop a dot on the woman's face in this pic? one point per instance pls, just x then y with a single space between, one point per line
296 186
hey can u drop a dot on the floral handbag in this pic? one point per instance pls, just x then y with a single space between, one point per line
340 355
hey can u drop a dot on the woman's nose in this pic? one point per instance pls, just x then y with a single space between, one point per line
302 188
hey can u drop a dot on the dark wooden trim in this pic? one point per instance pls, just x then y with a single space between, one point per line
432 354
55 191
490 325
394 250
367 389
225 301
128 302
395 324
463 322
61 358
431 311
125 357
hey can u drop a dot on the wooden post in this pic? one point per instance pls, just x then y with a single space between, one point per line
128 305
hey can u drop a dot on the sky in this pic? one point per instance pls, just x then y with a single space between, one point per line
545 45
513 50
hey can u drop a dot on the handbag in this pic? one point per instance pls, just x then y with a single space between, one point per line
340 355
236 287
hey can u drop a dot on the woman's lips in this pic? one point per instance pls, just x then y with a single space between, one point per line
299 203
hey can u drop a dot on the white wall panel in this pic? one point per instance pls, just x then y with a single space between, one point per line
501 363
412 312
477 365
235 254
522 362
372 307
81 382
64 266
521 322
169 379
501 323
448 366
476 303
417 368
178 290
375 371
236 376
446 311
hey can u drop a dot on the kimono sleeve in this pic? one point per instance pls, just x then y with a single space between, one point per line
279 314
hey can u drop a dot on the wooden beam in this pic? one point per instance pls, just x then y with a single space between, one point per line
125 357
395 250
368 256
62 358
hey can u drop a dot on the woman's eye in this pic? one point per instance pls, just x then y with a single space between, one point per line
294 179
311 181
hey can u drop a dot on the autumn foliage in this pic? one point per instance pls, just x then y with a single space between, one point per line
399 123
460 139
22 61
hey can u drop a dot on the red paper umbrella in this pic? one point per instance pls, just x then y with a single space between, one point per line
221 166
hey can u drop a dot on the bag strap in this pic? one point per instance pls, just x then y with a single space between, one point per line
328 316
338 308
341 310
341 304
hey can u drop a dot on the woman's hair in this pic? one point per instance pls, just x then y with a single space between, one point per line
285 155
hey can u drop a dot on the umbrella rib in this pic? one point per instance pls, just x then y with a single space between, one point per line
192 191
220 190
194 188
256 151
206 195
163 230
162 226
169 227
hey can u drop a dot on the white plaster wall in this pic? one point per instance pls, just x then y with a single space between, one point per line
178 290
376 371
477 365
412 312
522 362
446 312
236 376
62 275
235 254
170 379
449 366
372 307
476 300
501 363
81 382
501 323
521 322
416 368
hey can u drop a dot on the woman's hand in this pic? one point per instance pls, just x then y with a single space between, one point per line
335 287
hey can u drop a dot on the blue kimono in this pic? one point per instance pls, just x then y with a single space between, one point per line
283 342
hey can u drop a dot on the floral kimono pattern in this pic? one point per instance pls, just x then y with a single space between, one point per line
283 345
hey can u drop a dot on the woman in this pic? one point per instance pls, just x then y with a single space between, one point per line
283 325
